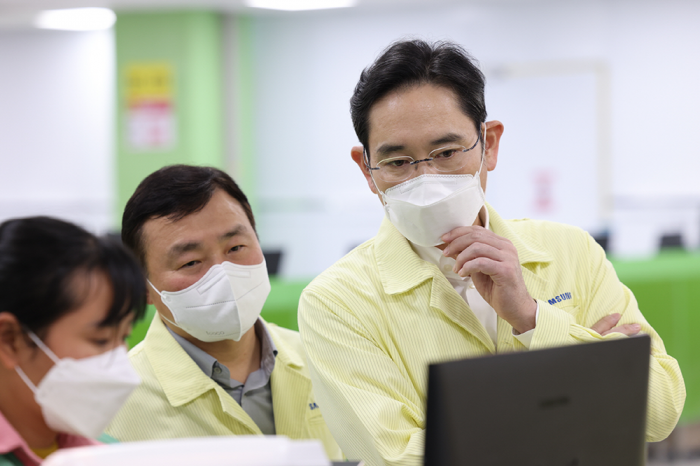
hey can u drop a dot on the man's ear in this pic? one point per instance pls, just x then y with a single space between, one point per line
358 156
494 131
10 336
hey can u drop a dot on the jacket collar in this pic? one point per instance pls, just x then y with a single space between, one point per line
401 269
180 377
183 381
291 387
529 249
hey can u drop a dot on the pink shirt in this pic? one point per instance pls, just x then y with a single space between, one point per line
11 442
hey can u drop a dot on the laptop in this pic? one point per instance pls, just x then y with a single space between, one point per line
580 405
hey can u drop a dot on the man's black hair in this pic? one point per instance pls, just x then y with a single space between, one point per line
40 260
410 63
175 192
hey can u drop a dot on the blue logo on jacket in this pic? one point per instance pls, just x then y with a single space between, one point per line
560 298
313 406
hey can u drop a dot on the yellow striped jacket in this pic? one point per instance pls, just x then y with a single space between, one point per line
176 399
373 321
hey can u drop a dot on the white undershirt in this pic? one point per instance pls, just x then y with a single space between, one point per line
466 289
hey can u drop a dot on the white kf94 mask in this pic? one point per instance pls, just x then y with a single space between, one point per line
81 396
428 206
222 305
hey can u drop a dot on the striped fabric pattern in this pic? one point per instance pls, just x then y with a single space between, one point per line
176 399
372 323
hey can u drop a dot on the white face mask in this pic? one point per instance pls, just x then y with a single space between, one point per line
222 305
81 396
428 206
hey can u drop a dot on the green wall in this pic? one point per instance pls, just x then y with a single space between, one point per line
243 84
190 43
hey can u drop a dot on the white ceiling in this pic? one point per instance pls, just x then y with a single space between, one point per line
18 9
23 6
20 13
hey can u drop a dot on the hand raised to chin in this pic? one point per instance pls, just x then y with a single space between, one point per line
493 265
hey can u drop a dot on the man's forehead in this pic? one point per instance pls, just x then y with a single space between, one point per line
434 111
170 230
221 216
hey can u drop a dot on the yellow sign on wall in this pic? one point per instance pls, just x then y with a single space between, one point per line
150 108
149 81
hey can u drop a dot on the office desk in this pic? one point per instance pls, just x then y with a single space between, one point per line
667 288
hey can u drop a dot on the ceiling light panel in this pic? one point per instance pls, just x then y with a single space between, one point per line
76 19
299 5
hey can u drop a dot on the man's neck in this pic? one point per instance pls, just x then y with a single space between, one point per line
241 358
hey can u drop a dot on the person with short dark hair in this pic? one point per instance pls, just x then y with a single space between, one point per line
446 277
210 364
68 300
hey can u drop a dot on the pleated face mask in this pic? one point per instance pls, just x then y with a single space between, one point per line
81 396
428 206
222 305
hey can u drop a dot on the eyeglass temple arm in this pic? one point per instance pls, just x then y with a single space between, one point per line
364 151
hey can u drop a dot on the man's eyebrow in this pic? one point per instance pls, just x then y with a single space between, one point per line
385 149
237 230
182 248
447 138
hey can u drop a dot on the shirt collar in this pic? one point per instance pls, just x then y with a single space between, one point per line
401 268
12 442
207 362
186 384
204 360
269 350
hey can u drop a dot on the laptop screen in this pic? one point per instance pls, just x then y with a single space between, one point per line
579 405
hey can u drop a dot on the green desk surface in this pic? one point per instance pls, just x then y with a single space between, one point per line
667 288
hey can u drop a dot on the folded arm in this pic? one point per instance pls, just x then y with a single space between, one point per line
607 297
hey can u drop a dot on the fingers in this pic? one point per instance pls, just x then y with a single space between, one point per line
627 329
460 238
474 251
606 323
501 272
459 231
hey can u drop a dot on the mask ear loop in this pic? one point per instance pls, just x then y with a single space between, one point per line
162 298
482 136
372 176
169 321
43 347
26 380
154 288
46 351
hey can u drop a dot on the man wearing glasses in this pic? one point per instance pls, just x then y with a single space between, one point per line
446 277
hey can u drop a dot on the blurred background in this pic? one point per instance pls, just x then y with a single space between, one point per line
599 99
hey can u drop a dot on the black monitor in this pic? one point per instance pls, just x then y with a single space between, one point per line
580 405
